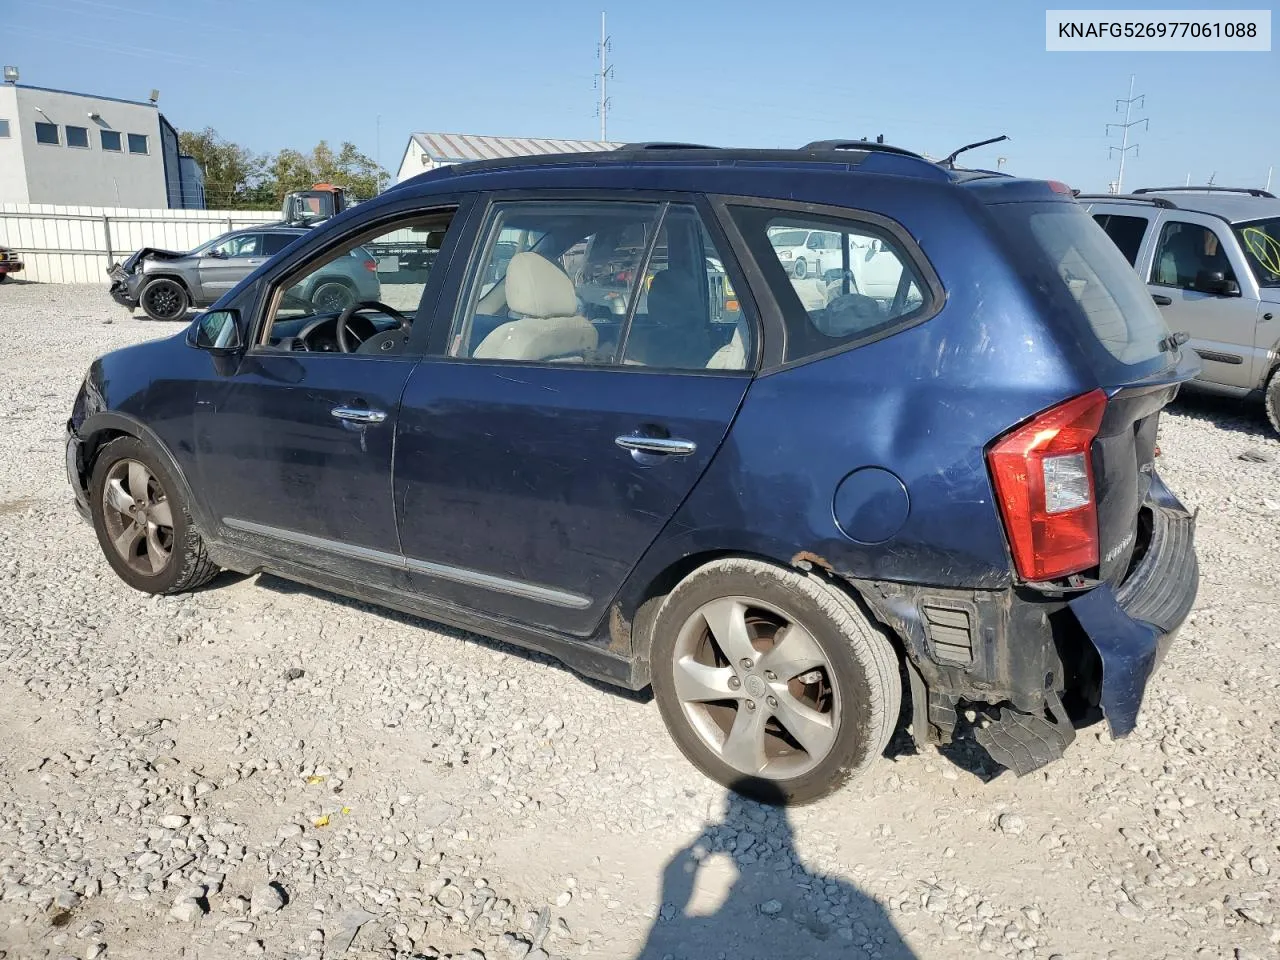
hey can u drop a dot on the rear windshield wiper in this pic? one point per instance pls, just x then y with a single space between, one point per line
1173 341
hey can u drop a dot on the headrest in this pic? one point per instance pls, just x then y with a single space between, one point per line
536 287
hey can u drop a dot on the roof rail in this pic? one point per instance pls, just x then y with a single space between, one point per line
1134 197
867 145
665 145
1251 191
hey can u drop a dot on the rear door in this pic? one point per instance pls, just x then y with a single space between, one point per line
549 439
1222 326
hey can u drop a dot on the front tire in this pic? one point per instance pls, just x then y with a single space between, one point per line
142 522
1272 400
772 682
164 299
801 269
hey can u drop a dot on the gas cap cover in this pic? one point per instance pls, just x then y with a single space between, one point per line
871 505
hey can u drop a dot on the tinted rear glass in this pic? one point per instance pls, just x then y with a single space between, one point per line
1070 253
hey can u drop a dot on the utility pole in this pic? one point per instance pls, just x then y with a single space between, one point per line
1125 145
602 79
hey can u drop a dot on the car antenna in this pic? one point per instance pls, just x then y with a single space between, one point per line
950 162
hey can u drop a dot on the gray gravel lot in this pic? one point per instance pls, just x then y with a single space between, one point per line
262 770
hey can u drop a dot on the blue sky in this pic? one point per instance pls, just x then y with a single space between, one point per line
928 75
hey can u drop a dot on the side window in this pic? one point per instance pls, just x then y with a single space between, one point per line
1186 251
1125 232
365 268
687 316
273 243
245 245
637 284
865 285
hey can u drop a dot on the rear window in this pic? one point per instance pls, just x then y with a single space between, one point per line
1074 255
1125 232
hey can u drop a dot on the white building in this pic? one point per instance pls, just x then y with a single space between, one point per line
73 148
426 151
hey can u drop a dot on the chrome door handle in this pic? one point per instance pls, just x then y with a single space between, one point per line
661 446
358 414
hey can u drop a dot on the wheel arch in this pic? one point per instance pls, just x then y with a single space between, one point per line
100 429
637 623
177 278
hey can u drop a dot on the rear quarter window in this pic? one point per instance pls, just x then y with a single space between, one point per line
1070 256
839 281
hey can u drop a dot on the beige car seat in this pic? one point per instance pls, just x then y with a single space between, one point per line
550 327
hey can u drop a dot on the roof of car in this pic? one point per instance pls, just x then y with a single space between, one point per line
1232 206
850 155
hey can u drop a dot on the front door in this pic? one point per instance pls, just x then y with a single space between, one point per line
1221 325
294 446
225 265
569 415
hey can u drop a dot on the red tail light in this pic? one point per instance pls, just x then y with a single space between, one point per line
1043 476
371 266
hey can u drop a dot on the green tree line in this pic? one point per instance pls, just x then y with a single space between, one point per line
236 178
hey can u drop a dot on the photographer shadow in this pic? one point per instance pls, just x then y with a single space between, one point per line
774 905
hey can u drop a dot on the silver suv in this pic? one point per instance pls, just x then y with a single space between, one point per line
1211 259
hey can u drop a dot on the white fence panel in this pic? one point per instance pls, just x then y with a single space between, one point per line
69 244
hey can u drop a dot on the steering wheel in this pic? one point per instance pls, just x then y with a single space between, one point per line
344 343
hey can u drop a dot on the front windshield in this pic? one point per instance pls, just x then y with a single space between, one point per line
1261 243
789 238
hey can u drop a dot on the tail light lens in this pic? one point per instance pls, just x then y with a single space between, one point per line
371 266
1043 477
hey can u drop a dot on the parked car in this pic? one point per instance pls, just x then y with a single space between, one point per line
808 252
10 262
770 522
1211 259
166 283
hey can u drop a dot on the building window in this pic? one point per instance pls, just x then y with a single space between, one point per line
77 137
4 129
111 140
137 143
47 133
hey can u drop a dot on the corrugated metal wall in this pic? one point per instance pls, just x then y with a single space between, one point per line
64 244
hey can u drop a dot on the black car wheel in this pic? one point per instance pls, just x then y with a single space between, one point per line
332 296
773 682
1273 399
164 299
142 523
801 269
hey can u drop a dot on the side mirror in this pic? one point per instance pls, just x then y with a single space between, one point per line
215 254
217 331
1216 283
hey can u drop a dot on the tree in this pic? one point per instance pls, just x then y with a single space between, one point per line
237 178
232 174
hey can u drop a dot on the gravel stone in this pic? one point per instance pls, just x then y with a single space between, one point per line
266 899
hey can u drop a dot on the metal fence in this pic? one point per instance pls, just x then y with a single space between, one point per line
64 244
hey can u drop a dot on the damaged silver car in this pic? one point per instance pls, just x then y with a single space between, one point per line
166 283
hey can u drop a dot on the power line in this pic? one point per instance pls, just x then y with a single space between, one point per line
602 79
1125 145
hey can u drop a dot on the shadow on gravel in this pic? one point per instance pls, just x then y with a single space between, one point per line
774 905
1238 416
280 585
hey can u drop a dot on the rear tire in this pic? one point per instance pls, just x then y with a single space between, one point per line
1272 400
142 521
332 296
164 299
818 703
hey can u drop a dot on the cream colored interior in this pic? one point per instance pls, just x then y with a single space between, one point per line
550 327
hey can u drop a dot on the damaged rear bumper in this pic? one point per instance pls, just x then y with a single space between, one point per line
1132 627
1044 663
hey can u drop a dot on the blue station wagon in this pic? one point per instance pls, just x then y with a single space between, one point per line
611 424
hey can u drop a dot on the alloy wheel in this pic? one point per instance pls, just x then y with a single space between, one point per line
138 517
165 299
756 687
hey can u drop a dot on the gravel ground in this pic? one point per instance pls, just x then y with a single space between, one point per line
260 769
